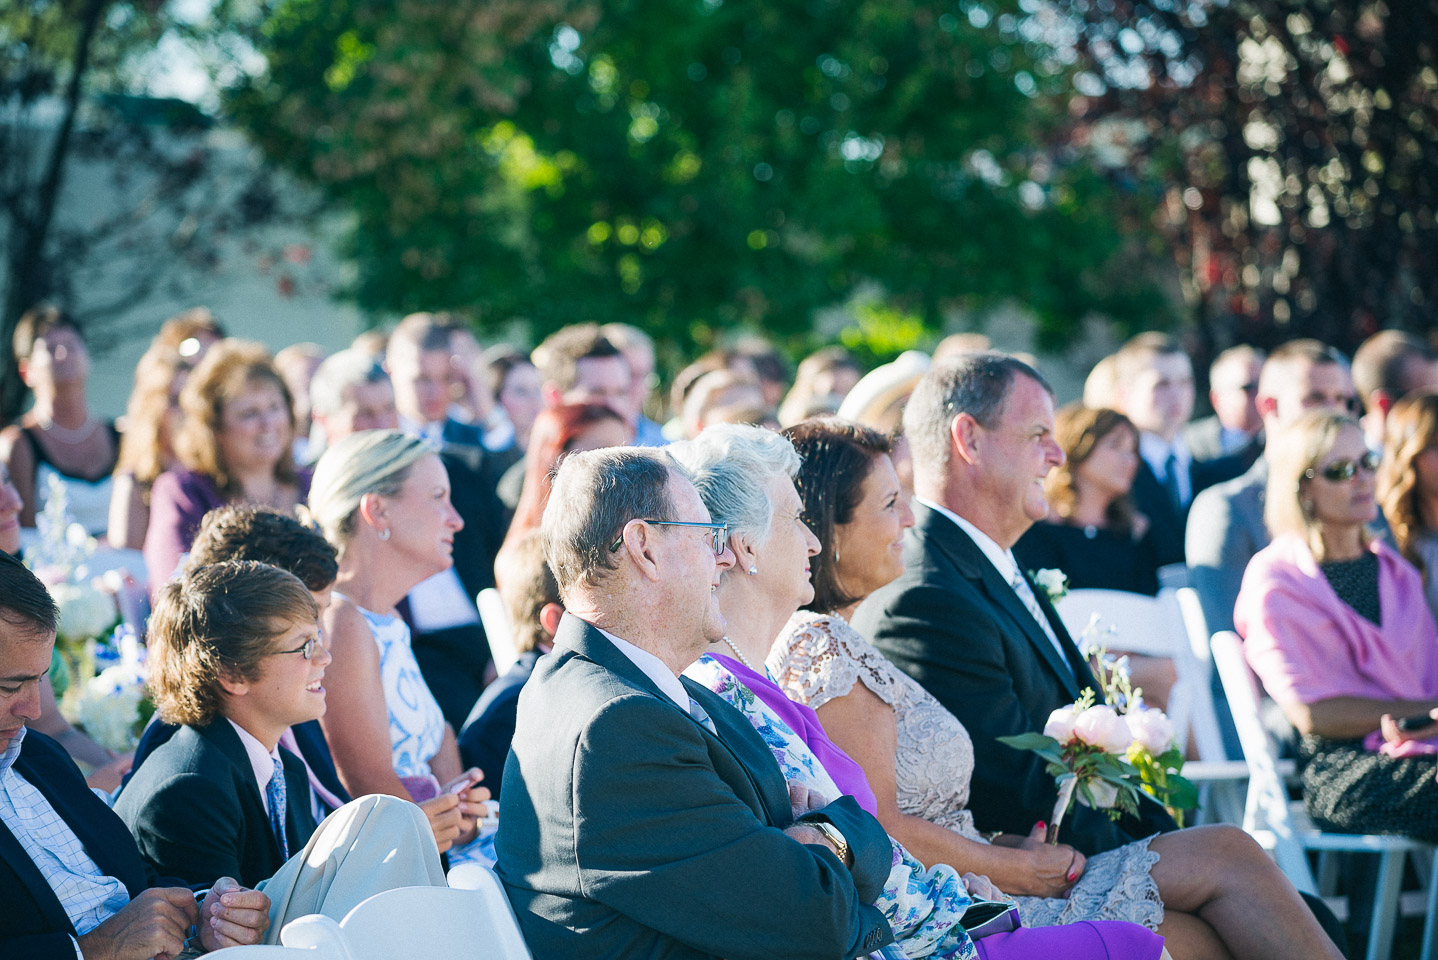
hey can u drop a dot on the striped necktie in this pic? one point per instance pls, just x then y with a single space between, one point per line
275 792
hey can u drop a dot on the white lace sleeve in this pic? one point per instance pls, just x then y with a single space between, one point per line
817 659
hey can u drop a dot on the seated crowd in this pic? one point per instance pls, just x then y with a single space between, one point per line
761 652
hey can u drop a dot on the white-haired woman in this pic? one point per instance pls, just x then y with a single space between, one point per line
744 475
381 498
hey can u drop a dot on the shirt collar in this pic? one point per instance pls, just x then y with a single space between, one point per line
12 750
262 760
1003 560
653 668
1155 451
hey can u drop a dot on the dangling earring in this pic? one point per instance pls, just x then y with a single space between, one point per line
384 534
836 555
753 570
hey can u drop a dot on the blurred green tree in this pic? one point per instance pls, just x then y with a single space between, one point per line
694 166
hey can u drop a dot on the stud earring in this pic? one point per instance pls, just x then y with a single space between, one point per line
384 534
753 570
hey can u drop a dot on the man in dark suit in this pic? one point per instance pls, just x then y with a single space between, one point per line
964 620
643 816
1235 428
72 882
1154 389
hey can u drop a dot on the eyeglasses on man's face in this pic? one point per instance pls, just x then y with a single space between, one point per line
1340 471
306 649
718 533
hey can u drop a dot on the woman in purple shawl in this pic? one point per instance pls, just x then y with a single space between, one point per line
744 476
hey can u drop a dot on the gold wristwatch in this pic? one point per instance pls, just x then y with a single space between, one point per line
832 834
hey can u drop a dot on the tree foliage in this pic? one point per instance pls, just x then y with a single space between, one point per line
694 165
1295 143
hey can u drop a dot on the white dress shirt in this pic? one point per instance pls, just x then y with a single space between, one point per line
653 668
1156 451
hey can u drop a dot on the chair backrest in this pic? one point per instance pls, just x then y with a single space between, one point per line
1267 805
1152 626
1207 736
497 629
435 922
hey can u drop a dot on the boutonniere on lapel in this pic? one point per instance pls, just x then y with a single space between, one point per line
1052 581
1101 753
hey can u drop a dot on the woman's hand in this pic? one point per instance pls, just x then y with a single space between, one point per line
1389 725
472 805
981 888
444 819
1053 868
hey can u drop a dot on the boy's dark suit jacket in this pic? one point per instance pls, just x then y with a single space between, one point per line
953 624
195 811
631 830
33 923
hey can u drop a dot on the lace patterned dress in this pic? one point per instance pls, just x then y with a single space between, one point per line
818 658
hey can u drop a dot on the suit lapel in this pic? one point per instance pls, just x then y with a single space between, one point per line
15 857
224 738
299 816
975 566
588 642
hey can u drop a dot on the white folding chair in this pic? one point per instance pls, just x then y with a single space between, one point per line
307 938
1282 826
436 922
497 629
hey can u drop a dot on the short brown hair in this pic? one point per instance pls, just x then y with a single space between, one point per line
35 323
527 586
230 367
266 536
558 356
838 456
218 622
1135 354
1078 429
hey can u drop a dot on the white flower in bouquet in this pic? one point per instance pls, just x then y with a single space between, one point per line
1053 582
1104 794
109 708
85 612
1101 726
1060 724
1151 730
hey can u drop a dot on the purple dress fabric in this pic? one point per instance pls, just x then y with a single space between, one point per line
179 500
1089 940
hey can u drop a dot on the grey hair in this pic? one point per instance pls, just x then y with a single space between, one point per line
345 369
730 464
595 494
370 461
976 384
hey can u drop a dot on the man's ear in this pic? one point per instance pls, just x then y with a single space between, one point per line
966 437
641 545
233 684
1380 402
549 616
1266 405
550 394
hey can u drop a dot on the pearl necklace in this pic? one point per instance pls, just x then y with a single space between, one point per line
742 659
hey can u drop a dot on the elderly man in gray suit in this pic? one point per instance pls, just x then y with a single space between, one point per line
644 816
1225 525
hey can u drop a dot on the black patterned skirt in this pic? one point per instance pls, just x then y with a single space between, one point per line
1348 789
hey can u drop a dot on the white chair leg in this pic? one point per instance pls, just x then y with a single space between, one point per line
1385 906
1430 915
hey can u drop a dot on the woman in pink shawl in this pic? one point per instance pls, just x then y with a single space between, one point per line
1336 626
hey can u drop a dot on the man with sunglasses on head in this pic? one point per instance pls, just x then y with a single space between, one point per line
643 815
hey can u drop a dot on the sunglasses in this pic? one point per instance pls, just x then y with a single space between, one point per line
1340 471
718 533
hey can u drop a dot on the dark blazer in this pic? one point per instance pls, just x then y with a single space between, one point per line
195 810
954 624
314 750
631 830
33 922
1166 523
487 733
1205 441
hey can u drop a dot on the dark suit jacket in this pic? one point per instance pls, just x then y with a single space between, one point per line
195 810
1167 524
631 830
33 923
314 750
486 735
1205 441
954 624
